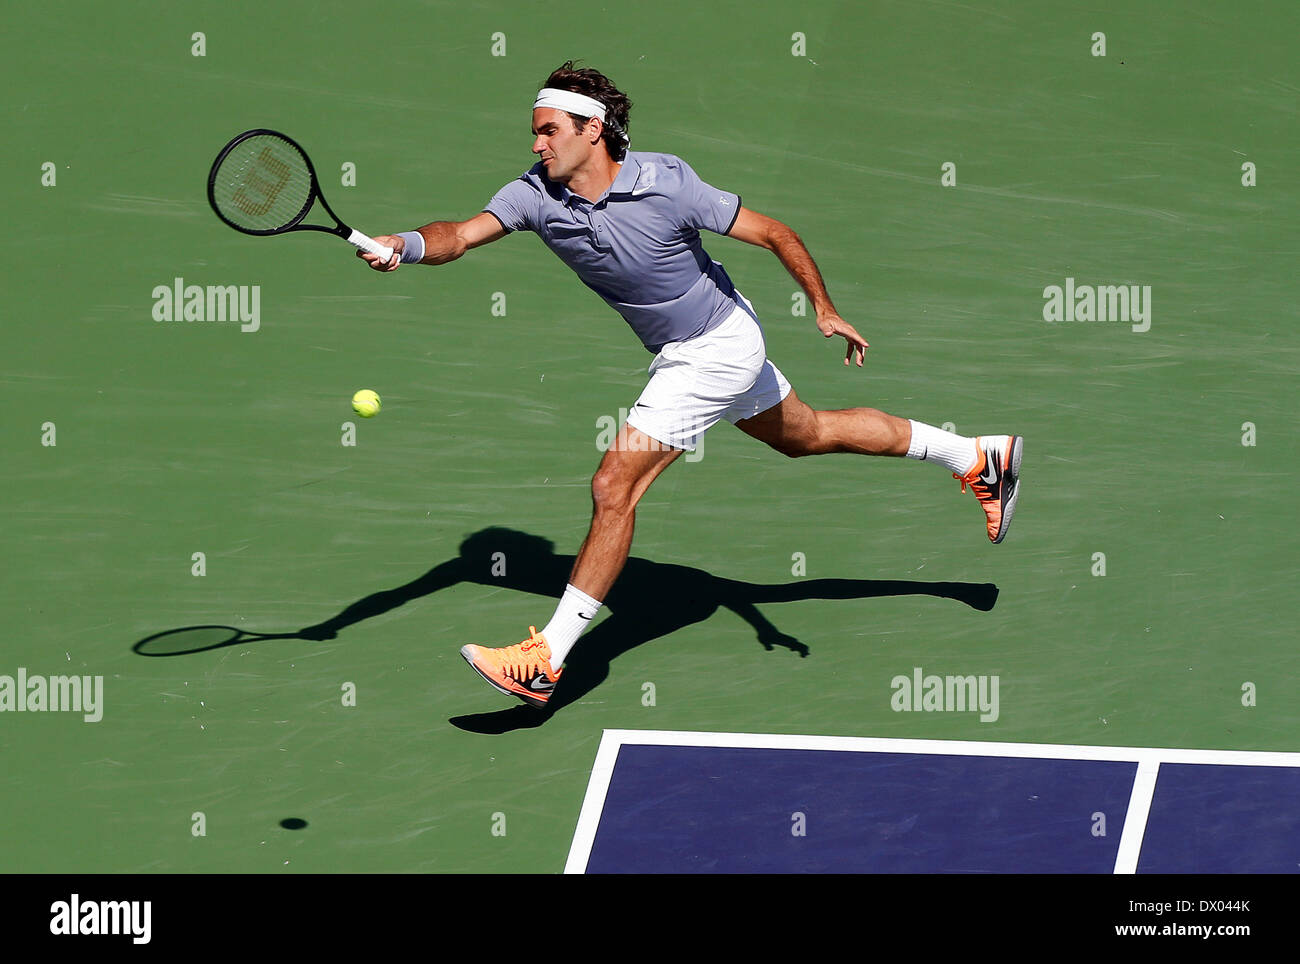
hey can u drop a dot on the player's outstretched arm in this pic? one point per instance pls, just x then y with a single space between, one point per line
765 232
443 241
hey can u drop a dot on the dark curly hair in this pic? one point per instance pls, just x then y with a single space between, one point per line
594 84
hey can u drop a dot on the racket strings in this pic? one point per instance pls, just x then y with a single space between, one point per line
263 184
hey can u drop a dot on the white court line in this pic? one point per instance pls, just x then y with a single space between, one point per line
593 805
1135 821
1148 760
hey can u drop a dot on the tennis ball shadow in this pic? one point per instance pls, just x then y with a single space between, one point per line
293 823
649 601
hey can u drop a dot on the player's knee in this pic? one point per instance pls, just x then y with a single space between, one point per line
610 491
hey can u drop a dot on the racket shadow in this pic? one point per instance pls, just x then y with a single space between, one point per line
649 601
199 639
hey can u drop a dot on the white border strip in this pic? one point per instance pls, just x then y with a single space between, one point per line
1148 760
864 744
593 805
1135 820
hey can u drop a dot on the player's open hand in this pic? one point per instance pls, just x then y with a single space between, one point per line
832 324
397 244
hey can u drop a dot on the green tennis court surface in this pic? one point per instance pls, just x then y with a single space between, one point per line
765 596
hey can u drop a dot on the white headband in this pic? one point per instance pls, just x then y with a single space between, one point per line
570 101
580 104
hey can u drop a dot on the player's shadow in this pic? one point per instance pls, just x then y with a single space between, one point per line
650 600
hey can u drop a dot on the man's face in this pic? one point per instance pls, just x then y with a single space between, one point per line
561 149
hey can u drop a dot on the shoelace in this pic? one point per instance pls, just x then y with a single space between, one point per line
522 660
973 476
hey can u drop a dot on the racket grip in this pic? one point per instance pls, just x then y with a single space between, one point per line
369 245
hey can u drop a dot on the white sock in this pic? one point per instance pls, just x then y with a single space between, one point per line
956 453
571 619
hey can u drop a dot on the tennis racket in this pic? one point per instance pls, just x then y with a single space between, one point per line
263 183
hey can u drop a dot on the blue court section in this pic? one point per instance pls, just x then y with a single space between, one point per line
1223 819
676 809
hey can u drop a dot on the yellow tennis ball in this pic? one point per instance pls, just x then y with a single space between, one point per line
366 403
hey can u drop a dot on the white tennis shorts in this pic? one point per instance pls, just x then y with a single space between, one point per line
723 373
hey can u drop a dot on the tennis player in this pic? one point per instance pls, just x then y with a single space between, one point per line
628 222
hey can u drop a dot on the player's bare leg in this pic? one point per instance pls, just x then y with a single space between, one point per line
625 472
795 429
990 464
530 670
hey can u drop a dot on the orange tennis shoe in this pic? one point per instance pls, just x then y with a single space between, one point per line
995 480
523 670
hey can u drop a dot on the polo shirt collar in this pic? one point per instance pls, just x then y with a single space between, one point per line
624 182
627 175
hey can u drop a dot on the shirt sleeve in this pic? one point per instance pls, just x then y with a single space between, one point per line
703 205
516 206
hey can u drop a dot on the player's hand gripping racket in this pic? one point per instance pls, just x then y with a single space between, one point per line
262 183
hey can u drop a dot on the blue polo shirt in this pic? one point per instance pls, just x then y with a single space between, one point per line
638 244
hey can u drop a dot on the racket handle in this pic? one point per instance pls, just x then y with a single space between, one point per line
369 245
